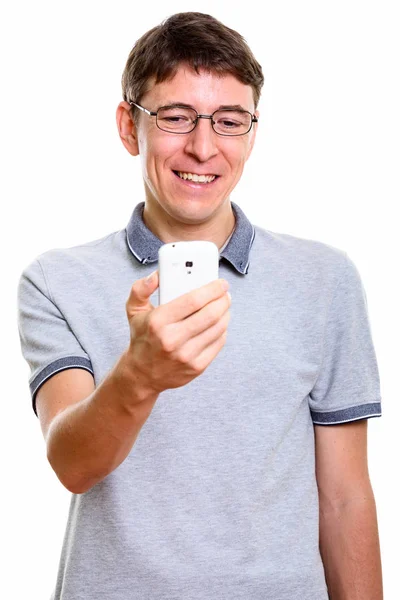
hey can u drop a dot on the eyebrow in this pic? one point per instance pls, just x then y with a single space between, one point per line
221 106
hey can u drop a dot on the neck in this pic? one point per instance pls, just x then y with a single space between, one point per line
170 228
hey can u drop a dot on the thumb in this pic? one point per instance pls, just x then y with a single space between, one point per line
141 291
151 281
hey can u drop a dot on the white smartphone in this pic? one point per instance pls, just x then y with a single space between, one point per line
185 266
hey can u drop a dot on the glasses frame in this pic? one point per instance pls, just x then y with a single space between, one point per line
153 113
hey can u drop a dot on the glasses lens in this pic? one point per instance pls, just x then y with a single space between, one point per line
175 119
232 122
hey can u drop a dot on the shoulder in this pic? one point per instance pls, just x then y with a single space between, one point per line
88 251
299 255
79 258
305 247
70 270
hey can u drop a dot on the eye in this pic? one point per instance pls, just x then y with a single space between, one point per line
228 121
176 115
175 118
229 124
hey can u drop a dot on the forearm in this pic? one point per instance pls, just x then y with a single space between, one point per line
349 545
89 439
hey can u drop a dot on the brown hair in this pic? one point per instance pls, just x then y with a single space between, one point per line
196 39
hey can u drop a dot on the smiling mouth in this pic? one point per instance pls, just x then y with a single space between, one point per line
195 178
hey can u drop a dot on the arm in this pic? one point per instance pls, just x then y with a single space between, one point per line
88 431
349 540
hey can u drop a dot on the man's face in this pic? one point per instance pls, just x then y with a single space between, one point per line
200 152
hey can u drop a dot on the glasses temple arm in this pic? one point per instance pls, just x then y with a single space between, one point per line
149 112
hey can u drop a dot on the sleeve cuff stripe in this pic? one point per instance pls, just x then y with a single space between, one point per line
363 411
68 362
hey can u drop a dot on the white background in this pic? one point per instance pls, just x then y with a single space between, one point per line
325 166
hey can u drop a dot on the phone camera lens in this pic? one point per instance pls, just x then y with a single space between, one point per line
189 263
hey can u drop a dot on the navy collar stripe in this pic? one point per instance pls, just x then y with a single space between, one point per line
144 245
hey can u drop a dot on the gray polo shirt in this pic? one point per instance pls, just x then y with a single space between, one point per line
218 497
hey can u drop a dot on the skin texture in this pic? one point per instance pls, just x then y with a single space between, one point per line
173 209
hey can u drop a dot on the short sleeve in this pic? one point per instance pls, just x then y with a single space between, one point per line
47 342
348 386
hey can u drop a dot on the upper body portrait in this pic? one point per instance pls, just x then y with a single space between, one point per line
214 446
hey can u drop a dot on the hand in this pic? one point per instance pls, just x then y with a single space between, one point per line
174 343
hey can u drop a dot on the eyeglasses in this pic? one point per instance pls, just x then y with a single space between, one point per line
181 119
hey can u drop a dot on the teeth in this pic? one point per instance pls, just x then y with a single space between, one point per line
197 178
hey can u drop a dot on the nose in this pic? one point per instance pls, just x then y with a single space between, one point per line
202 141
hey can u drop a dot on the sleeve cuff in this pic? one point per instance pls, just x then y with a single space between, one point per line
345 415
68 362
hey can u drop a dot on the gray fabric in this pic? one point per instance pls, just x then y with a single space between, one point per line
217 498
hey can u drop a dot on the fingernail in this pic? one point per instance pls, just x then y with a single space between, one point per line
225 284
230 297
150 277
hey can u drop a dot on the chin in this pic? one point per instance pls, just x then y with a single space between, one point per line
192 209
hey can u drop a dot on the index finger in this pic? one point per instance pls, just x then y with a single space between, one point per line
189 303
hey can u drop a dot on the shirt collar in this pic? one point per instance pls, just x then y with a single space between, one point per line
144 245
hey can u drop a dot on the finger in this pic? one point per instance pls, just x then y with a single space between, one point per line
196 345
204 359
191 302
140 292
206 318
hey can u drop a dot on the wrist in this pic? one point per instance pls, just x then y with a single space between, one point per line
133 386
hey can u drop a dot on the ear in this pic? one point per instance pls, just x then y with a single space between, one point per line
253 135
127 128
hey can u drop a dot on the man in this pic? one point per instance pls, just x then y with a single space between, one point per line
215 447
